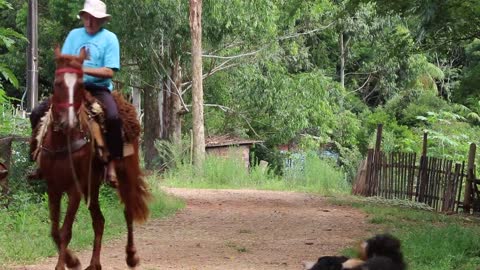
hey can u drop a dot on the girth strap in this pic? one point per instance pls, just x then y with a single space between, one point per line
75 146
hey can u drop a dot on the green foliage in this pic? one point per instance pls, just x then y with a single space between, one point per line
424 74
8 40
12 122
311 173
449 135
468 89
396 137
27 222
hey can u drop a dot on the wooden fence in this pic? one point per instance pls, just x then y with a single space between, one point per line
442 184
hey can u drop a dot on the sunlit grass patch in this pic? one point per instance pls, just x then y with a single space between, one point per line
317 175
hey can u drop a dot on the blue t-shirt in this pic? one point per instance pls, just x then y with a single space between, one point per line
102 48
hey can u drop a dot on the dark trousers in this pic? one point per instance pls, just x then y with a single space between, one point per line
113 123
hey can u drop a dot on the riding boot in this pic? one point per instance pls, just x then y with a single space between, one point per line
114 137
115 147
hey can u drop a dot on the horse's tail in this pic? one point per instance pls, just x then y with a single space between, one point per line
132 187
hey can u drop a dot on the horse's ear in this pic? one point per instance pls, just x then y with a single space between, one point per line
57 51
83 53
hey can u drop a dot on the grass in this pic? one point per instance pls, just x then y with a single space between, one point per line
318 175
25 236
430 240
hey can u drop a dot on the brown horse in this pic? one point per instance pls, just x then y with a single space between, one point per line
69 164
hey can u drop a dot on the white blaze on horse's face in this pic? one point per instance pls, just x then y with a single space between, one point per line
70 81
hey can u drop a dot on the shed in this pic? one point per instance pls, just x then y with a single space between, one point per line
227 145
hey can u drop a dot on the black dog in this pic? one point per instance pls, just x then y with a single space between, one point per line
381 252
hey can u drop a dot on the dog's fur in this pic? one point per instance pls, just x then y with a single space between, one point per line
328 263
381 252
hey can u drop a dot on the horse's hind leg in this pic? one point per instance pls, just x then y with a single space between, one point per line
98 222
132 258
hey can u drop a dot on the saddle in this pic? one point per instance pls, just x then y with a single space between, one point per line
93 114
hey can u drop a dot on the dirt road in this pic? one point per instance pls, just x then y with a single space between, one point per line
238 229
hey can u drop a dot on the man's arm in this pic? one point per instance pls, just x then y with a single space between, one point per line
102 72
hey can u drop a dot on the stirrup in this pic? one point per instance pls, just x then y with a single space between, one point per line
111 179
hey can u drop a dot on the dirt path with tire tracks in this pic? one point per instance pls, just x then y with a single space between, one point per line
238 229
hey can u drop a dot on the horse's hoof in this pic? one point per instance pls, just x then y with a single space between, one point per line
72 261
94 267
76 267
133 260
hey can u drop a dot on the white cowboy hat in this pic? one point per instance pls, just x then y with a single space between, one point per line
96 8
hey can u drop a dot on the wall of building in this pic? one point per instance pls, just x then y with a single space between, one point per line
241 152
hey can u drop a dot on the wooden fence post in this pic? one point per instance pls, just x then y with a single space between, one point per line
467 198
376 163
423 173
369 172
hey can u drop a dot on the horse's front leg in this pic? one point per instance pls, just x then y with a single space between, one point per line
98 222
132 258
67 255
54 200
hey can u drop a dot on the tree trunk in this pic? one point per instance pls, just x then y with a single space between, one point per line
342 59
166 110
197 84
151 126
137 101
176 128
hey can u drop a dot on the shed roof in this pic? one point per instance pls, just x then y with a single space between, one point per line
228 140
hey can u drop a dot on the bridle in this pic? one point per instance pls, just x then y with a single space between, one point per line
60 71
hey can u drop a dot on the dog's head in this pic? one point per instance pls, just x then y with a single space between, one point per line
381 245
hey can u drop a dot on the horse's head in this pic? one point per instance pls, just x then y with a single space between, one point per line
68 89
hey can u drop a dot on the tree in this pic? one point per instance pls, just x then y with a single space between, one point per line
197 82
8 39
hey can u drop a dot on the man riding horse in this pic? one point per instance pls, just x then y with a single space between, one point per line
103 61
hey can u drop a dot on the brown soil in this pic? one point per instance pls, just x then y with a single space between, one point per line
238 229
